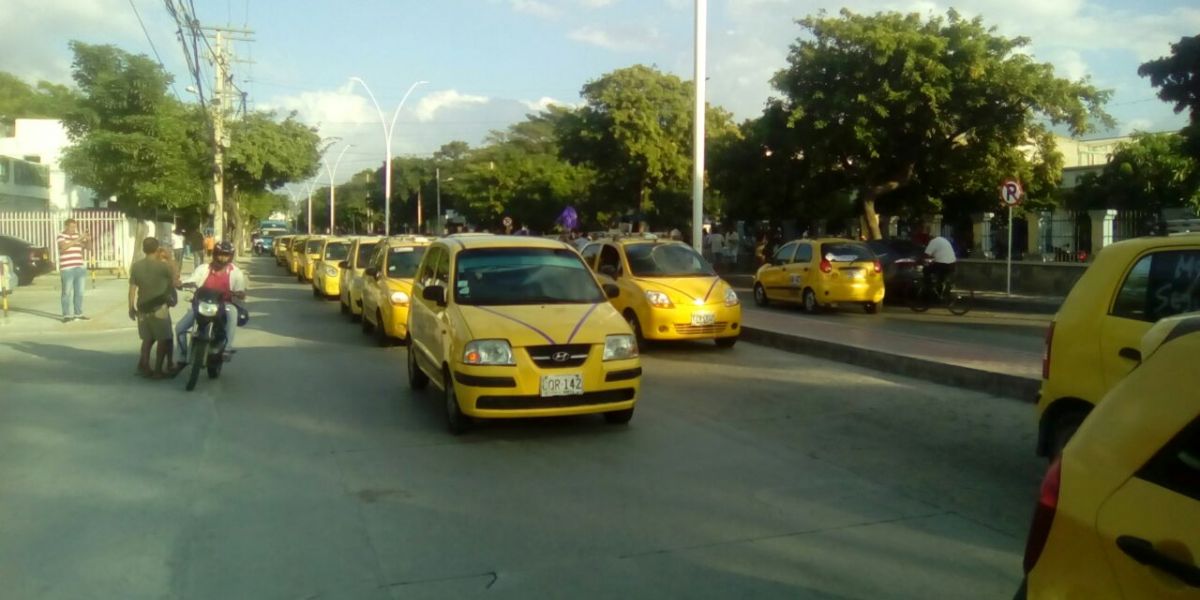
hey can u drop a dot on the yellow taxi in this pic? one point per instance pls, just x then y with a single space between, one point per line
1118 515
282 243
327 271
306 259
295 249
667 290
387 287
1092 342
350 287
513 327
821 272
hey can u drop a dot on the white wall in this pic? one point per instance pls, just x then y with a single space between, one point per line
47 139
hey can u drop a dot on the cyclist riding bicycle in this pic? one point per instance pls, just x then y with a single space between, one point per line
941 264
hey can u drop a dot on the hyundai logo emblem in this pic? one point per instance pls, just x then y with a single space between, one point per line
560 357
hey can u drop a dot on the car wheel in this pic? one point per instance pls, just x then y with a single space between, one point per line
618 417
417 379
316 292
760 295
1065 427
366 325
381 336
870 308
636 326
456 421
342 305
300 277
810 301
726 342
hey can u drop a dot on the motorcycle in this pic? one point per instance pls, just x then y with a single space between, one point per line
208 337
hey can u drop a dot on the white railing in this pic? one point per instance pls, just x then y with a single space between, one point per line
109 233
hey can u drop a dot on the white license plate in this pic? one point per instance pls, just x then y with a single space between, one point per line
701 319
856 273
562 385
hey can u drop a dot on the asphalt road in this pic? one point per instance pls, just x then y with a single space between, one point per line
308 470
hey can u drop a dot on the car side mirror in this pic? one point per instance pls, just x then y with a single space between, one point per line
611 290
434 293
371 272
345 264
1130 354
609 270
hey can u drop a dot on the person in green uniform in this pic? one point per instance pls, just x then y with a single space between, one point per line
151 283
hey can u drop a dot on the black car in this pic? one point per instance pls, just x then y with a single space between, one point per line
901 260
29 260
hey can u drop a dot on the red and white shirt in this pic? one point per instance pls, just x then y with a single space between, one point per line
71 257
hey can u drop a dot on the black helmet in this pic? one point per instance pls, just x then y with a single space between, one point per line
223 248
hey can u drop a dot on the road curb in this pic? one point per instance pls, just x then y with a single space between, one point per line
988 382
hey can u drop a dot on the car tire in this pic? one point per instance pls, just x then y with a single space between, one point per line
810 301
1065 427
618 417
636 326
381 336
870 308
760 295
365 324
726 342
456 422
417 379
300 277
342 306
316 293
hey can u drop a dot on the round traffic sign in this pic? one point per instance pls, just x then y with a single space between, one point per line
507 221
1011 192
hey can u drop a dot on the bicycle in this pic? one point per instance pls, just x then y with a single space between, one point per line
921 296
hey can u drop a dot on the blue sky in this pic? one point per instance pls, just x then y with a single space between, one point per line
488 62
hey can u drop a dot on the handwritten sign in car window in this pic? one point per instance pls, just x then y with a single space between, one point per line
1174 284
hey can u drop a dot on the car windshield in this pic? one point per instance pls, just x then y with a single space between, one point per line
508 276
846 252
337 251
313 247
364 253
402 261
666 260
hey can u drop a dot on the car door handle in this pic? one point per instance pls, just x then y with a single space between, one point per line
1130 354
1144 553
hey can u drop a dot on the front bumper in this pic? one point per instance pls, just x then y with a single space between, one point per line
676 323
515 392
329 286
397 322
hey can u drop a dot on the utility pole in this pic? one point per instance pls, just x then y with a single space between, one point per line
224 92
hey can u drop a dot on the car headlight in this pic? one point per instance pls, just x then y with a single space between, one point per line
619 347
731 297
658 299
331 272
400 299
488 352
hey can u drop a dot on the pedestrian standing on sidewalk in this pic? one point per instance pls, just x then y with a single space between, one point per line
177 242
72 271
196 245
151 282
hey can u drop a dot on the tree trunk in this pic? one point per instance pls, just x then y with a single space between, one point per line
871 193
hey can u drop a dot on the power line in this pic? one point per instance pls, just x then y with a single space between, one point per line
138 14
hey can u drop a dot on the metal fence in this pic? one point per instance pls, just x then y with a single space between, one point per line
109 233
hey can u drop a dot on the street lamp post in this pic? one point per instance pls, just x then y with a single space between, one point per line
311 186
698 127
438 176
387 144
332 189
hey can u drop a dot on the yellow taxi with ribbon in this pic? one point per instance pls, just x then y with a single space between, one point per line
821 272
387 287
327 270
514 327
668 291
350 287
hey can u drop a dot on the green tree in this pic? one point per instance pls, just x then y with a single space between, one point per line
19 100
943 106
130 139
1178 78
1151 172
265 153
635 132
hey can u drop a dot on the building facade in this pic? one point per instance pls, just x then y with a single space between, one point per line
31 175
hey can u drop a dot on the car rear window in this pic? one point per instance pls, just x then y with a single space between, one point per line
337 251
312 247
846 252
365 251
402 261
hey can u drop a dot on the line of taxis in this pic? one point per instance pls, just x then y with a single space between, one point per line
517 326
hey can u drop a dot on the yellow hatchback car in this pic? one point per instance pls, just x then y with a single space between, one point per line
1092 342
667 290
306 259
1118 516
821 272
295 249
327 270
387 287
362 249
282 244
513 327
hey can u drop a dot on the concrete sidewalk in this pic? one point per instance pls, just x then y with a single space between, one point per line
966 364
36 309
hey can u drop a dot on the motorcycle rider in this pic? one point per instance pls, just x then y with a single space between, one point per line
223 276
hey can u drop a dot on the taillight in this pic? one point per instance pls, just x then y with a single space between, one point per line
878 267
826 266
1043 515
1046 351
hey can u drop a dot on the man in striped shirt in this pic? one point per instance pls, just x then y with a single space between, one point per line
72 270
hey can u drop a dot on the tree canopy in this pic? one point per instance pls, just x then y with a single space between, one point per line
1150 172
1178 78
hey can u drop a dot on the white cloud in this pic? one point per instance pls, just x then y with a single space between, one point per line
1137 125
597 3
536 8
34 34
428 107
617 39
544 102
328 107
